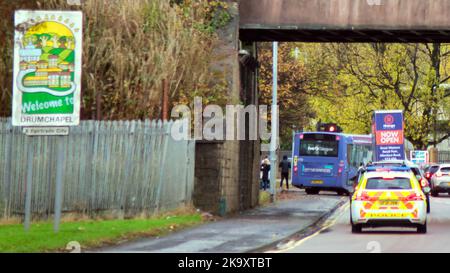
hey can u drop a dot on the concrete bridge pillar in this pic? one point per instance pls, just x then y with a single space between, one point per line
226 172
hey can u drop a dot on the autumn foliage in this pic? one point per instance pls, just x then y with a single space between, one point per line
295 111
130 48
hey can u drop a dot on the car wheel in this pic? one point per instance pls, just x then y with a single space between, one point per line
428 204
357 228
434 194
422 228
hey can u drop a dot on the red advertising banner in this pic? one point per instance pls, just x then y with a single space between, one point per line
389 137
394 137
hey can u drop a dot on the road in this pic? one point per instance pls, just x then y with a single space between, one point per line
243 232
335 235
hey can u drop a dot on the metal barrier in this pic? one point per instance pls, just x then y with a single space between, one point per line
131 167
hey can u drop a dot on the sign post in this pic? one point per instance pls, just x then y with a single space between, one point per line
420 157
388 130
59 182
28 193
47 85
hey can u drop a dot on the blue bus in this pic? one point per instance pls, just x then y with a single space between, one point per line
324 161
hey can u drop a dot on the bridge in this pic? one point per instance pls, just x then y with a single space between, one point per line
345 20
253 21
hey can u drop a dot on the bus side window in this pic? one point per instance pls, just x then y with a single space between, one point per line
350 154
355 156
361 154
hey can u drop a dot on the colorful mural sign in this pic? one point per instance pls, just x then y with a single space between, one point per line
47 68
389 137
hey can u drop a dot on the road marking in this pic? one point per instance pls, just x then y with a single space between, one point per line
328 223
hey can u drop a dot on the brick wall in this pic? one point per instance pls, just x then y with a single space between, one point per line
227 172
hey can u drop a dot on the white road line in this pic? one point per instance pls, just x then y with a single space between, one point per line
328 223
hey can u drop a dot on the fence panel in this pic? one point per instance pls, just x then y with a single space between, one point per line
129 167
444 156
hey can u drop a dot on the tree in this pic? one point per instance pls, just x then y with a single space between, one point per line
127 58
295 111
62 42
70 42
43 39
368 77
55 40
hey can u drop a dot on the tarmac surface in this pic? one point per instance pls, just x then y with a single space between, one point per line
246 232
335 235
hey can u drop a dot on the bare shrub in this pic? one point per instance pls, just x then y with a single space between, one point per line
129 48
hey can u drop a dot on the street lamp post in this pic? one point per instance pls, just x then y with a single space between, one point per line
273 139
434 116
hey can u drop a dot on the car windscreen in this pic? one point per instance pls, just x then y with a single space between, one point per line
445 170
433 169
319 145
399 183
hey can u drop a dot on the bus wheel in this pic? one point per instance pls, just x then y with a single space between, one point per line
343 193
312 191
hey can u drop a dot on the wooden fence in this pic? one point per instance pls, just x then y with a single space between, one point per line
130 167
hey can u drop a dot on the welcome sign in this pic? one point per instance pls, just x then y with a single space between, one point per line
389 135
47 68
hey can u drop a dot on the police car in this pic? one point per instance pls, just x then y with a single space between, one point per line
388 197
424 182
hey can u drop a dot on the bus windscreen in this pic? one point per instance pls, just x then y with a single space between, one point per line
319 145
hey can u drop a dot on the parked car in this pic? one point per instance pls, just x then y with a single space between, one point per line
430 170
440 181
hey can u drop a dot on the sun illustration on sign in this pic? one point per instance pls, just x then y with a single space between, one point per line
47 57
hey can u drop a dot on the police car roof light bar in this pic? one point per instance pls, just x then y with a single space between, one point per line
388 169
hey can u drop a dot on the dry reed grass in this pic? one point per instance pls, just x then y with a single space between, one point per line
129 48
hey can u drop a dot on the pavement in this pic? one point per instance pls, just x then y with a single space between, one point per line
335 236
245 232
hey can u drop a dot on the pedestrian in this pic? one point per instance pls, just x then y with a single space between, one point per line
265 168
265 158
361 167
261 172
285 166
359 173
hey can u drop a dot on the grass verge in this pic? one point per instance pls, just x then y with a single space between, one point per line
88 233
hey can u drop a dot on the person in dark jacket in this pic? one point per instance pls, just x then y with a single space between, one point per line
285 166
265 168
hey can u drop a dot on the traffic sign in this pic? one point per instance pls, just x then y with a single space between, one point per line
46 131
419 157
47 68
